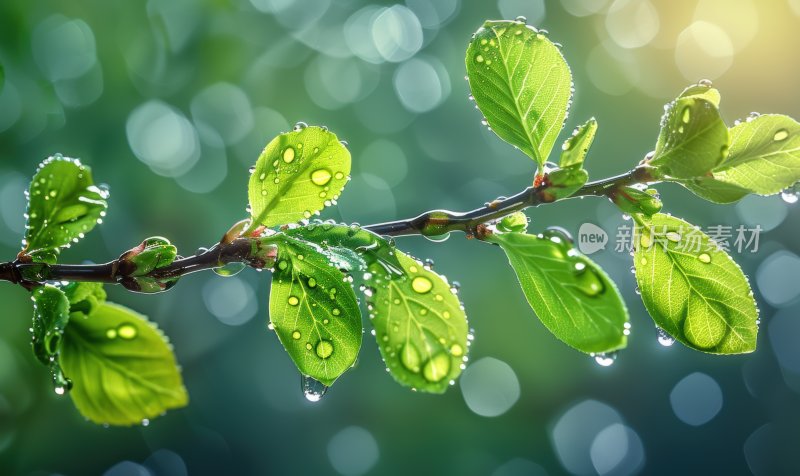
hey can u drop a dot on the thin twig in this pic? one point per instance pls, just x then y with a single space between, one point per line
434 222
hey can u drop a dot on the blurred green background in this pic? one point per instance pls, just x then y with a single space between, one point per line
170 102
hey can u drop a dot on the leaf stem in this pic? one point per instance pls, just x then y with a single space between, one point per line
432 223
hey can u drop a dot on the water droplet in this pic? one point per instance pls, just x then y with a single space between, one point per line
312 283
686 115
706 83
324 349
421 285
781 134
456 350
646 241
127 331
283 264
296 335
409 356
313 389
299 126
663 338
790 196
437 367
293 301
336 311
60 390
587 279
230 269
321 177
521 19
479 58
438 238
111 333
704 258
604 359
288 155
673 236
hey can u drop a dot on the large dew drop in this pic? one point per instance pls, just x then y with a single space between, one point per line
312 389
321 177
324 349
421 285
410 358
437 367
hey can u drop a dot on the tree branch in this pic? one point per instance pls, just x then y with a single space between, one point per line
432 223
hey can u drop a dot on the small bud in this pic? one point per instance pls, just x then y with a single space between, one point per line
633 201
516 222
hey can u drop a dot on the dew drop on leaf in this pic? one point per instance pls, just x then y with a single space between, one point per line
321 177
410 358
293 301
421 285
324 349
437 367
780 135
704 258
127 331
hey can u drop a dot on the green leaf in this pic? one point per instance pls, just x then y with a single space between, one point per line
571 295
516 221
297 175
420 325
631 200
122 367
574 150
338 238
764 156
63 205
692 141
702 90
521 83
693 290
84 297
153 253
563 183
50 318
713 190
314 311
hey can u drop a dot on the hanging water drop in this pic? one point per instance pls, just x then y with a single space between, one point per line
230 269
791 194
312 389
664 339
604 359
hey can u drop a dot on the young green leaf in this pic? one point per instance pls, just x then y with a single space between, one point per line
50 317
702 90
631 200
314 311
370 247
122 366
692 141
63 205
419 324
521 83
693 290
563 183
297 175
84 297
571 295
713 190
764 157
153 253
574 150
